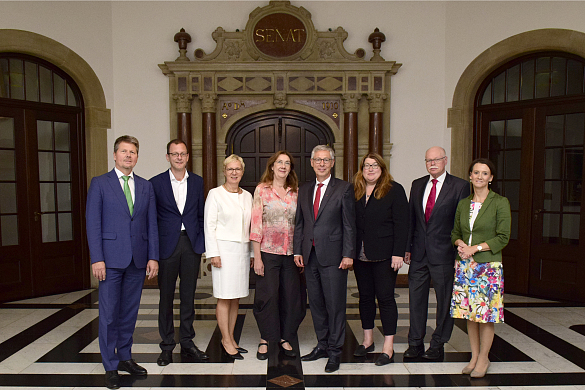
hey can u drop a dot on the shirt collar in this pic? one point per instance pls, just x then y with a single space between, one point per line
440 179
173 178
325 182
120 174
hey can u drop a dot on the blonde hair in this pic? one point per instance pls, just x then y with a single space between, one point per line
232 158
384 181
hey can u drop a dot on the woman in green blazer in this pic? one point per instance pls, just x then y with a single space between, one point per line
481 231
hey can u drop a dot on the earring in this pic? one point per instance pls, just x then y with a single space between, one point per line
490 183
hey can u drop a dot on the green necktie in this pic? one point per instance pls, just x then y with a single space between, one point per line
128 194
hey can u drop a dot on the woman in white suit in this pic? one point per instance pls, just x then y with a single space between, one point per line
228 211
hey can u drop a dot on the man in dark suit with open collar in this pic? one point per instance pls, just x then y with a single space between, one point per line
433 202
123 246
324 243
179 204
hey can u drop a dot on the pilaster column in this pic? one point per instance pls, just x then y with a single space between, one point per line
376 133
183 101
208 109
350 139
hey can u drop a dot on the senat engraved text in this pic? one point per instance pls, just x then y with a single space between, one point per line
275 35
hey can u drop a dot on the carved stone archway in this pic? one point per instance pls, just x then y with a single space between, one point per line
280 61
460 116
97 116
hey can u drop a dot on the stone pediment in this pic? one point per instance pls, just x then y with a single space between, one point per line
279 32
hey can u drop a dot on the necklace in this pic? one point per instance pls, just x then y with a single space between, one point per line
231 192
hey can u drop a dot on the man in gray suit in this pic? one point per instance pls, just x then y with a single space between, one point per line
433 202
324 243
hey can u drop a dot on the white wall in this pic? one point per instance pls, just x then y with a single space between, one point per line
435 41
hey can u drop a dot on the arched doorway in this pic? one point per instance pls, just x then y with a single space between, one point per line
256 137
530 121
42 179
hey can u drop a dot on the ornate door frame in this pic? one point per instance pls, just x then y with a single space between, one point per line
310 72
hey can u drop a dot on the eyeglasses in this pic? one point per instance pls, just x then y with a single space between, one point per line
371 166
321 160
434 160
233 170
175 155
281 162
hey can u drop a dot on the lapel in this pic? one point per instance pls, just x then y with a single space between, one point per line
118 191
419 195
444 194
191 196
138 198
168 190
310 192
326 196
486 203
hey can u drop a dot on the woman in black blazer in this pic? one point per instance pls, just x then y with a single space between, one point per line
382 230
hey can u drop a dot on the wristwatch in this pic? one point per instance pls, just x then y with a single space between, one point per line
479 248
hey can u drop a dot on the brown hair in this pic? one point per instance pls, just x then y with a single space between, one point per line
292 180
128 139
176 141
384 182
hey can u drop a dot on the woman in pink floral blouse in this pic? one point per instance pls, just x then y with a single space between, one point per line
278 304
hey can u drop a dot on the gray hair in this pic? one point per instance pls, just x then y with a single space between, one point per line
326 148
232 158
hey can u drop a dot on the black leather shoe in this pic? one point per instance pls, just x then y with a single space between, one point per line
235 356
165 358
332 364
384 359
112 379
131 367
194 352
287 352
262 356
242 350
414 351
434 353
316 353
362 351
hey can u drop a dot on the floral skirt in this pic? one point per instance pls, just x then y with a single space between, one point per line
478 291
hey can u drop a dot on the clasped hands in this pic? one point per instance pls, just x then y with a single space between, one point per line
466 251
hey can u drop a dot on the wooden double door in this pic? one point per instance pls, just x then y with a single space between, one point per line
41 191
259 136
538 152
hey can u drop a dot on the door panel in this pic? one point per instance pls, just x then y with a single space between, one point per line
556 265
42 236
15 245
257 137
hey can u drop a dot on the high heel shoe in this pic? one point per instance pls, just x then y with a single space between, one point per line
479 374
242 350
467 370
236 356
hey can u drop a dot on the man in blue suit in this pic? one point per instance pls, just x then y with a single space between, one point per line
179 203
123 243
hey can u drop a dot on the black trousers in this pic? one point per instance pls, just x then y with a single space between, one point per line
327 287
279 304
184 263
376 279
420 275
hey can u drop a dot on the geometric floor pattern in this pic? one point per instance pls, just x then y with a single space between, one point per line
51 343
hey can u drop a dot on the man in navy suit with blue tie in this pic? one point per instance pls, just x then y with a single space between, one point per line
122 236
179 203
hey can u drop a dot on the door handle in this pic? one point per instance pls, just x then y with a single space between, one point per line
37 216
537 212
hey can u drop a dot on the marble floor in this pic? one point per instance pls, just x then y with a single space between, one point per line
51 343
